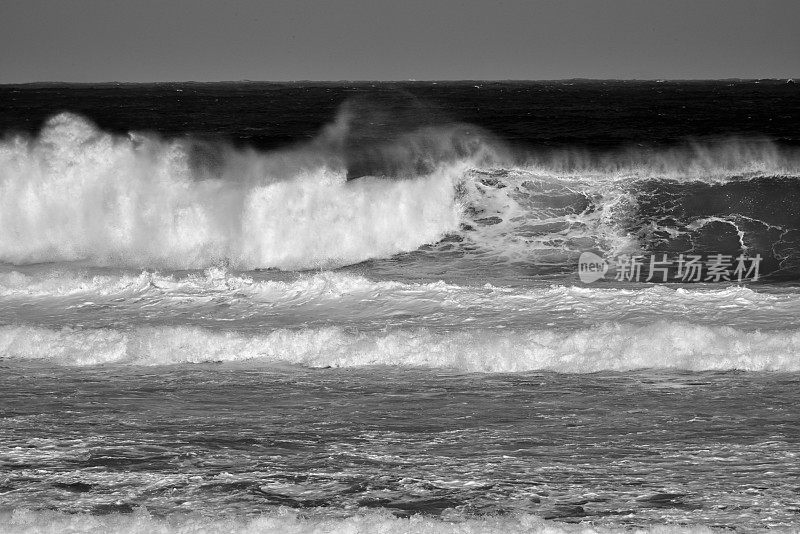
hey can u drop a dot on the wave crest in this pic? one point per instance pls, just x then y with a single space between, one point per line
77 193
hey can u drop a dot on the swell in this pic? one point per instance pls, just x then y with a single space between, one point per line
76 193
605 347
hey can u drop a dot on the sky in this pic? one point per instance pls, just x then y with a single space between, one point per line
201 40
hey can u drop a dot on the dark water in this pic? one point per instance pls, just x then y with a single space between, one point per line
605 114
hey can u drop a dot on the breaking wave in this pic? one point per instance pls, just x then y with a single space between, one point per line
605 347
76 193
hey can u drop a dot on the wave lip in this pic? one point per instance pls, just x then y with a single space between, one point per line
606 347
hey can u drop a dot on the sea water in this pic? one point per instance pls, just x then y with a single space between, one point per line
356 307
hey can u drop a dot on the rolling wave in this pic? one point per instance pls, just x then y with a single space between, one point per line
76 193
605 347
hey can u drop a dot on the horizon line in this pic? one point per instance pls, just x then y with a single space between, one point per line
408 80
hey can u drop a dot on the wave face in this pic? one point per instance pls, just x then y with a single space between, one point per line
76 193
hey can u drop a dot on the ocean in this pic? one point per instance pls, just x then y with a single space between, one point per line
567 306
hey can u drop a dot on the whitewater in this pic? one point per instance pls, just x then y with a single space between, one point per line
76 193
349 320
140 250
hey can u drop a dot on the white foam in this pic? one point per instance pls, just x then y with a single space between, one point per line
242 301
334 284
58 281
288 521
605 347
77 193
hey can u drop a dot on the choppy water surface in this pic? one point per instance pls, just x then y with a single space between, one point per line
712 448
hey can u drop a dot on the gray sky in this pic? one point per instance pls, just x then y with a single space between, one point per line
144 40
